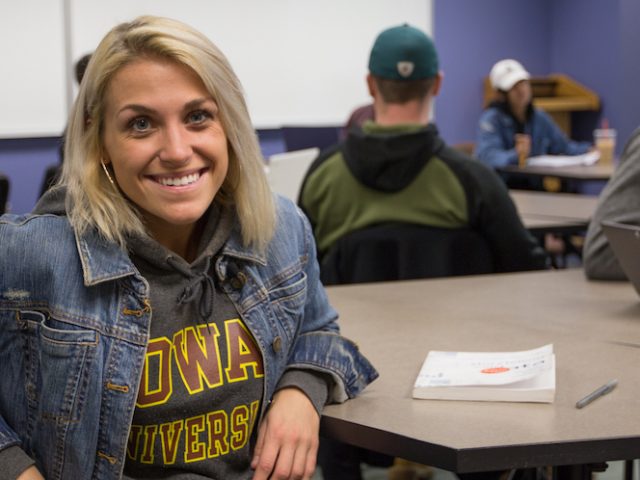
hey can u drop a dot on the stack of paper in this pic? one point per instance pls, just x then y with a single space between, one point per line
588 158
525 376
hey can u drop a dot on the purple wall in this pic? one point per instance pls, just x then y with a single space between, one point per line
597 42
629 108
471 36
590 53
602 51
24 162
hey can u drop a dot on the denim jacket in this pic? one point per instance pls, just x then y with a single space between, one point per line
74 325
495 145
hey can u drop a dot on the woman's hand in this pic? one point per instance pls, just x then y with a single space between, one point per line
523 144
287 438
30 473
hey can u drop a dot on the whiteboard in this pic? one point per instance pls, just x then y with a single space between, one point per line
32 75
301 62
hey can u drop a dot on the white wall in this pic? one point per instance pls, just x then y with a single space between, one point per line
302 62
32 76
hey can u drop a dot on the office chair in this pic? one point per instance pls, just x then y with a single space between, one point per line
466 147
285 171
4 193
400 251
386 252
299 138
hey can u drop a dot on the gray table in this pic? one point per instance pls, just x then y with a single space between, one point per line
580 173
557 212
595 329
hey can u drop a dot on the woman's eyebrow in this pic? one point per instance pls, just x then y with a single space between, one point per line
198 102
137 108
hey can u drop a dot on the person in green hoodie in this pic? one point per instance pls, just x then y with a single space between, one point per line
398 169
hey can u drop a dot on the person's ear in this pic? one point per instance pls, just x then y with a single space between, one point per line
437 83
371 85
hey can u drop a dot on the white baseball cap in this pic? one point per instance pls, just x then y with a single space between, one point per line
506 73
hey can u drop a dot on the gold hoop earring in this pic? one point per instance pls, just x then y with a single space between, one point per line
106 170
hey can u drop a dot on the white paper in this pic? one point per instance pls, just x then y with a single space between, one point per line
588 158
443 369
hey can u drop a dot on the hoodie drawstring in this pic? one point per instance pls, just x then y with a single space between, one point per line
201 287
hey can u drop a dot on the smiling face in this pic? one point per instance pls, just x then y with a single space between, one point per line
519 96
165 143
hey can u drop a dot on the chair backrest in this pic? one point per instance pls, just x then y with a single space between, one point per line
466 147
397 251
285 171
298 138
4 193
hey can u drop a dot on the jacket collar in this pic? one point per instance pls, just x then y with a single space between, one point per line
101 259
104 261
235 248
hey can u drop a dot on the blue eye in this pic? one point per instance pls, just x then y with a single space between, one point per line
140 124
198 116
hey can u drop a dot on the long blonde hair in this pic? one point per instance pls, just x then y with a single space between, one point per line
92 201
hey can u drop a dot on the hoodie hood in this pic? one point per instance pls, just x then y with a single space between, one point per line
52 202
174 281
389 158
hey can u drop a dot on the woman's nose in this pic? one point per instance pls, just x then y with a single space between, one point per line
176 147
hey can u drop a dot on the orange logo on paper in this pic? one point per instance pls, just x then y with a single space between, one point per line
494 370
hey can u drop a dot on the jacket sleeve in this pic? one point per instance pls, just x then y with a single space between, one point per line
558 142
619 202
491 148
13 461
493 213
315 385
319 343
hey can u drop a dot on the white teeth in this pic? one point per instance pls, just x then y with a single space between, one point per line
180 181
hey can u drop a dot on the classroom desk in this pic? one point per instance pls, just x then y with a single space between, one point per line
581 173
558 205
558 226
566 212
595 329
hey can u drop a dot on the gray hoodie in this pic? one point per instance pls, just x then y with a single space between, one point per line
202 383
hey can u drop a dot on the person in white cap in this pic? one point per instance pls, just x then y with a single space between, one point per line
511 128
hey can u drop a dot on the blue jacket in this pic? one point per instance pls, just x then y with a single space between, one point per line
74 325
497 128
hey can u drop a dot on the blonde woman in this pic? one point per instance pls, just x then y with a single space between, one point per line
161 314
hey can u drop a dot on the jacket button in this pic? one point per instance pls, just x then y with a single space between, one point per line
238 281
277 344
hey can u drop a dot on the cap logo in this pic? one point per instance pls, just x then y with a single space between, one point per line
405 69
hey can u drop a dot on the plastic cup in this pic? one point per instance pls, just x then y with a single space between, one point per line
604 140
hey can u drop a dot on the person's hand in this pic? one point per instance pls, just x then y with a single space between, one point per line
523 145
287 444
554 244
30 473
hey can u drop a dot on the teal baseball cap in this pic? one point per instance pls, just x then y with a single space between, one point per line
403 53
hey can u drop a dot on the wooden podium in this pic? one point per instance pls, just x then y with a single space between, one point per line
558 95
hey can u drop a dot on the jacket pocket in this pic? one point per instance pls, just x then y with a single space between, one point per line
62 354
288 300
